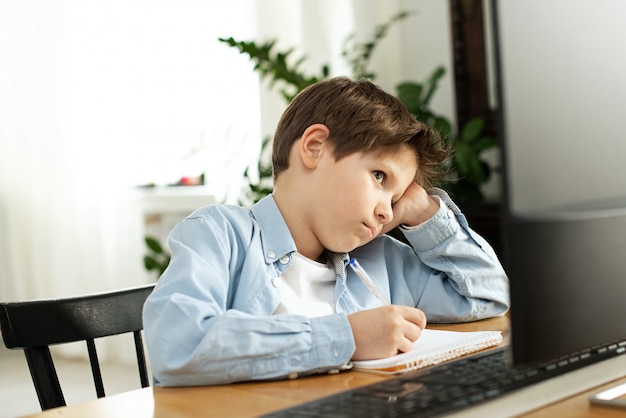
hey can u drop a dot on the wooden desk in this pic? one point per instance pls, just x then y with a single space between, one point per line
254 399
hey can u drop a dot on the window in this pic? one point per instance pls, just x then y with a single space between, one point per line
151 80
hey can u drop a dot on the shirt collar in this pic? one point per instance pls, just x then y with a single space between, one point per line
276 239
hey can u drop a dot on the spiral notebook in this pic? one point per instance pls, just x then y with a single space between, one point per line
433 347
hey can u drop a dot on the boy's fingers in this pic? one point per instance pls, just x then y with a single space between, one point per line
405 346
413 333
417 317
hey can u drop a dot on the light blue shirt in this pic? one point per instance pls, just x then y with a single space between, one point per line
209 319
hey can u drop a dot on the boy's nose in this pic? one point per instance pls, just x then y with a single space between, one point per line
384 213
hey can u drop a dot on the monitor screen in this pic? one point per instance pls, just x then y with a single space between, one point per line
560 70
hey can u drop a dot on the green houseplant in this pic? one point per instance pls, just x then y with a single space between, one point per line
467 170
157 257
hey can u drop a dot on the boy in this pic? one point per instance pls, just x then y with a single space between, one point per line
264 292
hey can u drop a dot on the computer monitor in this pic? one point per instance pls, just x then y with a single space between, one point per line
560 71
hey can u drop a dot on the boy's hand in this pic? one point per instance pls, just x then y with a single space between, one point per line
385 331
414 207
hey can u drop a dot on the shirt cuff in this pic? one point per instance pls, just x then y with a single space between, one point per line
336 342
437 229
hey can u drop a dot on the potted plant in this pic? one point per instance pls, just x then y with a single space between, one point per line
466 172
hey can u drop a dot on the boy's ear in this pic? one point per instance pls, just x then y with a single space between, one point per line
313 144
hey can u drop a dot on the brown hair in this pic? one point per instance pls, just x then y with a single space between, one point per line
361 117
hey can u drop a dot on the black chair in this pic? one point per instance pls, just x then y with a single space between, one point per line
35 325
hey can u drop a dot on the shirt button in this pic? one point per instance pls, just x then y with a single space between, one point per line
450 214
271 254
276 282
284 260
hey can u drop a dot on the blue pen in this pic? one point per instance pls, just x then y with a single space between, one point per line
365 278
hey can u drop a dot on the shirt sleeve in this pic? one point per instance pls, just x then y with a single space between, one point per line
464 280
196 336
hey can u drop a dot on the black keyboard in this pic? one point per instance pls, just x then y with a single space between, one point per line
447 388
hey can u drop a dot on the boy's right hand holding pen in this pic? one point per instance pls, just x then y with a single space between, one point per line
385 331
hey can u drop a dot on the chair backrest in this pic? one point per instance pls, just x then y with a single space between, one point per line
35 325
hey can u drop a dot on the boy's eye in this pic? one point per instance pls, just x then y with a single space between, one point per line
379 176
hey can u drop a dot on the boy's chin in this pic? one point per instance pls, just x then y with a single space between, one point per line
348 247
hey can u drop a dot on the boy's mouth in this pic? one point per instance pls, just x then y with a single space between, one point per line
372 231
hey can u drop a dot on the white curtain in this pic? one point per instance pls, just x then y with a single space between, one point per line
98 96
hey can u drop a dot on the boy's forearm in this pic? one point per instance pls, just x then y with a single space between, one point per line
469 266
235 346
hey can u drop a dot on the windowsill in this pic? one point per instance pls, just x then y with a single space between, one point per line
179 199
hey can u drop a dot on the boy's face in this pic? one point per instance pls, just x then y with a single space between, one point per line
356 195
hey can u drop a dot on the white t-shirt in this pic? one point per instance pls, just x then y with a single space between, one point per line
307 288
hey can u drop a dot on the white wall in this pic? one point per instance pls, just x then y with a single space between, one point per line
409 52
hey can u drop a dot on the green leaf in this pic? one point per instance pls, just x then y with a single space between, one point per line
154 245
472 129
150 263
442 126
462 156
275 65
410 94
358 55
484 143
432 82
475 172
